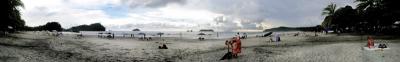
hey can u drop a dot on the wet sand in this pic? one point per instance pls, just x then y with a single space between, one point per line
39 47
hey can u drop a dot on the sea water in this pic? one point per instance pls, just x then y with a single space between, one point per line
177 34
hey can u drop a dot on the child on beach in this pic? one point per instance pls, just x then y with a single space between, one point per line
227 55
228 44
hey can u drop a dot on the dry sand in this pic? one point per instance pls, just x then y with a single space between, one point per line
40 47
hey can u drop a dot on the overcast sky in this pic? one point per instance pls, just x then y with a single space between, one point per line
154 15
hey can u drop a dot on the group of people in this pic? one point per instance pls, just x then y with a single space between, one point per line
162 44
234 48
106 35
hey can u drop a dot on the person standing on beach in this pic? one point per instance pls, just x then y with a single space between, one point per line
277 37
370 43
236 49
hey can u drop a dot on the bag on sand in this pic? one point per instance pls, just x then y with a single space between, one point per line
227 56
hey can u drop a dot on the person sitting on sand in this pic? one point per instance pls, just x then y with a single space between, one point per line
163 46
201 38
149 39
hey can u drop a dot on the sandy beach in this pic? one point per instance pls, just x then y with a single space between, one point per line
39 47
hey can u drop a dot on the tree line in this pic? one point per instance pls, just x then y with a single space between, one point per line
369 16
11 21
50 26
10 16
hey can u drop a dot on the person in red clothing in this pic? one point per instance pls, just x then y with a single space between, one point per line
370 42
236 49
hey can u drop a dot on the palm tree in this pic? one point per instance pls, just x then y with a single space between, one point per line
329 11
13 20
365 4
160 33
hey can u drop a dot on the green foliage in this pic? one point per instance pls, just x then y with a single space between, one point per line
50 26
11 19
329 10
370 16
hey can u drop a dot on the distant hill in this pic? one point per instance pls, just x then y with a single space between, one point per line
282 28
136 29
91 27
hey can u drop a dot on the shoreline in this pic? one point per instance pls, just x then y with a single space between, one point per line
66 48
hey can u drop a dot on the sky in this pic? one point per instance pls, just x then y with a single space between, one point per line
178 15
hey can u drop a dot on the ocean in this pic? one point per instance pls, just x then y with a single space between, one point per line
178 34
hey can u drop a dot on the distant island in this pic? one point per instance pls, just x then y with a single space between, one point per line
282 28
206 30
91 27
136 29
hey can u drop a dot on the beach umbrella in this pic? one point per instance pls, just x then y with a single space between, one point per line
160 33
201 34
144 34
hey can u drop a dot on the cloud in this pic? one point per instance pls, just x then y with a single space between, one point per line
151 3
249 14
225 15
